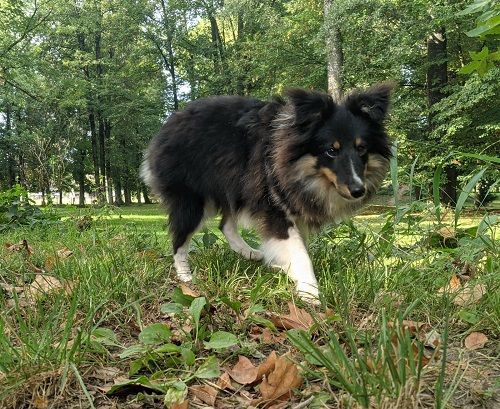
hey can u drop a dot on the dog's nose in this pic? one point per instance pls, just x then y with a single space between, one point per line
357 191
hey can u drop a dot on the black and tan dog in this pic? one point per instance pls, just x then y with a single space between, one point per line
284 166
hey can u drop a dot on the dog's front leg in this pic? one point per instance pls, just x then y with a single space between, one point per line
290 254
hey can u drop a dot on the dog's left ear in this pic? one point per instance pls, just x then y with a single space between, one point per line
309 106
372 103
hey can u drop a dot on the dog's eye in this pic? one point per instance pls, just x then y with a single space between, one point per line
332 152
361 149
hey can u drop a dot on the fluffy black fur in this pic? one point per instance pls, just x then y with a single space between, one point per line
293 162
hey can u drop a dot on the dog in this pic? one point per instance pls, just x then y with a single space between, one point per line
288 166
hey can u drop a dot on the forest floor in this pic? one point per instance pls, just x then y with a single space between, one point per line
91 316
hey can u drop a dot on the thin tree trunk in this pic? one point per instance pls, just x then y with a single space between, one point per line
11 173
437 79
126 191
147 200
81 177
334 52
118 188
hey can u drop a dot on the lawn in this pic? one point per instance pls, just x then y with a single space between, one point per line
91 316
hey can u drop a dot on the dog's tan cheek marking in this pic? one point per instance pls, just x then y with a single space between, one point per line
373 164
330 175
336 145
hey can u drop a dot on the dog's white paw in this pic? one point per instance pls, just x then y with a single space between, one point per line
184 276
255 255
308 292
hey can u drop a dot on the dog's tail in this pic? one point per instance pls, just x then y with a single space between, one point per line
145 172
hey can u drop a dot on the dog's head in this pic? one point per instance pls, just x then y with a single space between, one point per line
334 145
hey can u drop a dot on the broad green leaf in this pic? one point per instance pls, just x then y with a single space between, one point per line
168 349
179 297
133 350
469 316
142 381
221 339
172 308
104 336
234 305
188 356
209 369
196 308
155 334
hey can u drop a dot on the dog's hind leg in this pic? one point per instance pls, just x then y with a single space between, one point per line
186 214
230 229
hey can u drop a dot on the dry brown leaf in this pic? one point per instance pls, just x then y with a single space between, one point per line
452 287
281 381
9 288
297 318
224 382
22 245
470 294
64 253
266 336
186 290
106 373
206 393
244 372
267 366
183 405
475 340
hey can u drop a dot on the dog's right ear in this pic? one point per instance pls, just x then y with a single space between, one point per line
310 106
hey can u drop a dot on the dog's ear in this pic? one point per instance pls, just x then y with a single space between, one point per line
309 106
372 103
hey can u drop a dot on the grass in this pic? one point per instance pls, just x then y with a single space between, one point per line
66 346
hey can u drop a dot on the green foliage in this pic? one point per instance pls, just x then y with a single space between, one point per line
487 24
16 210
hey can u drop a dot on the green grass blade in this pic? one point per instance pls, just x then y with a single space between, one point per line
466 193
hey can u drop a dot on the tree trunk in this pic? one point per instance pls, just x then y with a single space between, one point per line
334 52
437 79
147 200
126 191
118 189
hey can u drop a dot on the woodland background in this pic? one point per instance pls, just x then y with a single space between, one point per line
84 85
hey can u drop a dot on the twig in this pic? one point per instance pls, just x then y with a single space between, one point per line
304 404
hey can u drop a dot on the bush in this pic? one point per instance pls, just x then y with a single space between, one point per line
16 209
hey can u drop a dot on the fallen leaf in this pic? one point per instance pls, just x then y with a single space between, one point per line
206 393
281 381
224 382
44 284
244 372
9 288
432 339
183 405
452 287
22 245
413 326
470 294
297 318
64 253
186 290
105 374
267 366
475 340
